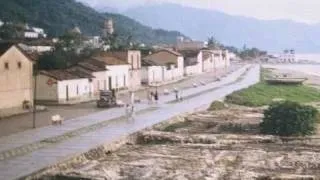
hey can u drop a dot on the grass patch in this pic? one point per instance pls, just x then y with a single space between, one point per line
262 94
173 127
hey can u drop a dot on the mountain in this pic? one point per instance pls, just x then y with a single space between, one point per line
103 9
274 35
58 16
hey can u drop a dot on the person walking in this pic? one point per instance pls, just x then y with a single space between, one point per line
156 96
180 95
176 93
152 97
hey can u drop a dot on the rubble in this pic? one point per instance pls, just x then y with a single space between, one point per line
223 144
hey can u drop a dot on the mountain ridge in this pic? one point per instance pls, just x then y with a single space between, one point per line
58 16
271 35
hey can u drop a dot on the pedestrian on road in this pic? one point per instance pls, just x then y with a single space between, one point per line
176 91
151 97
180 95
156 97
129 112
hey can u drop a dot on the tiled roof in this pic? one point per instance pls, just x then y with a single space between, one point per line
171 51
93 65
152 59
109 59
122 55
62 74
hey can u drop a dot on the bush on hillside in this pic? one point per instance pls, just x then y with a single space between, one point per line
217 105
289 119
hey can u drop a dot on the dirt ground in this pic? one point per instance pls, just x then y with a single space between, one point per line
223 144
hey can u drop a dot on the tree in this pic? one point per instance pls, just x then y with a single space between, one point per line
213 43
289 119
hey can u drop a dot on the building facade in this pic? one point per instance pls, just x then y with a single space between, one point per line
16 80
63 87
162 67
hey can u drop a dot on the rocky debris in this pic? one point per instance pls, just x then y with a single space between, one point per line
222 144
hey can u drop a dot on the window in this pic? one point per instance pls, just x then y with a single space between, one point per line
19 65
6 65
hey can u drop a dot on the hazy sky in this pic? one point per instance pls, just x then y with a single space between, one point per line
298 10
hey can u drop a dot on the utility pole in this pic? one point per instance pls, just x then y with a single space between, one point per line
34 95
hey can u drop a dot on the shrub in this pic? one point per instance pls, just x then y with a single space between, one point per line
217 105
289 119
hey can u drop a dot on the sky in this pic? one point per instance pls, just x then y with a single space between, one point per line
306 11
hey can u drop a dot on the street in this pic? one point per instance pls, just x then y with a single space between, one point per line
24 122
36 149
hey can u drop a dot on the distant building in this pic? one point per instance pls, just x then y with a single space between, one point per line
183 44
193 63
133 58
118 70
40 31
1 23
108 28
76 30
162 67
288 56
31 35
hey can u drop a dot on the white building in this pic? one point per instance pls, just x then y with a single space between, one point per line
40 31
162 67
221 60
63 87
118 71
193 63
288 56
133 58
208 63
31 35
96 69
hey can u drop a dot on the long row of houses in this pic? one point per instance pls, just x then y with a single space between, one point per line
126 70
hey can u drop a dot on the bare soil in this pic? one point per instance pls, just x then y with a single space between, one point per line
223 144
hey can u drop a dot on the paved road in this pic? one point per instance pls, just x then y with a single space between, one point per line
21 123
58 150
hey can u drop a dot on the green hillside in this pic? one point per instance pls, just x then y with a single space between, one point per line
57 16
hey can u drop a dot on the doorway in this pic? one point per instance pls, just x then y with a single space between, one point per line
110 83
67 92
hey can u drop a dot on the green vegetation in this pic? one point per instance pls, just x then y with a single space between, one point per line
178 125
217 105
58 16
262 93
289 119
